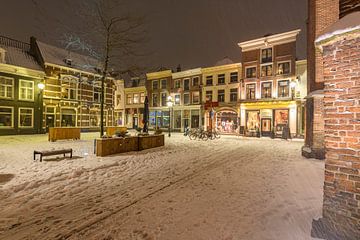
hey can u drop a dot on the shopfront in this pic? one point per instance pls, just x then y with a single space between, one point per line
227 121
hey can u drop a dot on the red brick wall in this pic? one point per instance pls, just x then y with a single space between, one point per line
342 136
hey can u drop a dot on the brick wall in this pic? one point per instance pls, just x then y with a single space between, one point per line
342 136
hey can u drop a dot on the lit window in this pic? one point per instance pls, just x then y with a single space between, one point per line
283 88
266 70
186 99
284 68
250 72
209 96
26 117
6 87
155 100
6 117
163 99
250 91
26 90
266 90
195 97
266 55
142 97
221 79
233 77
129 99
136 98
177 83
177 99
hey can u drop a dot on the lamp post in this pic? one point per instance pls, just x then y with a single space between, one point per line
292 86
41 87
170 104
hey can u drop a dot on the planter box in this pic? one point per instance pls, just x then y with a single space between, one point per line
110 146
110 131
63 133
151 141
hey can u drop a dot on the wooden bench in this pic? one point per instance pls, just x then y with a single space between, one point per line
52 152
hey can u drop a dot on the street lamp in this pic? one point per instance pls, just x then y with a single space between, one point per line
41 87
292 86
170 104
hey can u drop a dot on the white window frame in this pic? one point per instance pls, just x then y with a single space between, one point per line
189 99
192 97
272 87
237 75
256 96
217 79
192 81
212 80
253 66
277 67
177 81
152 85
224 95
142 97
184 83
131 98
264 65
99 92
138 98
12 88
237 95
12 118
33 90
32 117
179 103
272 54
277 87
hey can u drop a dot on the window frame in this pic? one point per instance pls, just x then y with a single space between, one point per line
246 91
198 81
32 117
188 103
261 89
157 84
232 75
177 84
33 90
288 86
266 65
12 118
218 77
212 95
129 96
152 100
192 97
161 84
163 104
282 62
186 79
232 92
248 67
272 54
223 94
12 88
208 78
142 97
177 95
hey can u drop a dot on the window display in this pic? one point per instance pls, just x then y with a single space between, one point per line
227 122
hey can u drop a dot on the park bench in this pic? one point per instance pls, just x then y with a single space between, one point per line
52 152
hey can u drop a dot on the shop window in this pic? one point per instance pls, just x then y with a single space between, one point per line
227 121
221 79
142 97
209 96
281 120
252 120
250 72
266 55
266 90
26 90
6 87
177 84
186 84
26 117
6 117
266 70
186 118
163 99
129 98
186 98
155 84
152 119
250 91
221 95
195 116
283 88
163 84
177 119
195 81
68 118
283 68
233 95
233 77
177 99
209 80
195 97
154 100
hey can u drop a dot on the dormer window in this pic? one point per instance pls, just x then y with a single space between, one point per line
68 61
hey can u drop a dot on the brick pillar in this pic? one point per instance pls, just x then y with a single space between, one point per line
341 207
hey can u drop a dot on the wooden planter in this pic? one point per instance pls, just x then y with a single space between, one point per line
110 146
63 133
110 131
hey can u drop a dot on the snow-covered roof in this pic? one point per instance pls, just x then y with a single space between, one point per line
345 25
17 53
58 56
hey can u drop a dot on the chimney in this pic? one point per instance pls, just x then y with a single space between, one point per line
178 69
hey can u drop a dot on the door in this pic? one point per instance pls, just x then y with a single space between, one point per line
50 121
265 126
135 122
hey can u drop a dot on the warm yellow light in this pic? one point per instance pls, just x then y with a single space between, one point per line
41 86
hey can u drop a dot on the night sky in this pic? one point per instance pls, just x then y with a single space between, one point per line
193 33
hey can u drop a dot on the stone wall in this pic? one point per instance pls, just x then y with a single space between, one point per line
342 135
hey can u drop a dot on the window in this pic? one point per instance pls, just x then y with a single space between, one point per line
221 79
142 97
266 55
177 84
233 95
163 99
186 84
221 95
283 68
209 96
209 80
97 95
128 98
26 117
177 99
250 72
155 100
250 91
6 87
68 118
195 97
26 90
136 98
6 117
163 84
266 70
118 99
177 118
233 77
195 81
266 90
283 88
155 84
186 98
68 89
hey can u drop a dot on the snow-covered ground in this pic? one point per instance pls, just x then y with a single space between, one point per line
227 189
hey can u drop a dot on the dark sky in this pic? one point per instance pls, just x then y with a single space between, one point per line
194 33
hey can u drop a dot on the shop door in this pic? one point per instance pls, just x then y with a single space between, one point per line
50 121
265 126
135 122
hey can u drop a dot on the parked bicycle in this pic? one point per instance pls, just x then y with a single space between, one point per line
203 135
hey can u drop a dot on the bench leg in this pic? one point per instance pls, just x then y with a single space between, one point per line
34 156
40 157
71 154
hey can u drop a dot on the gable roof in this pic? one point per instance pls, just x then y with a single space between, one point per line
17 53
58 56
